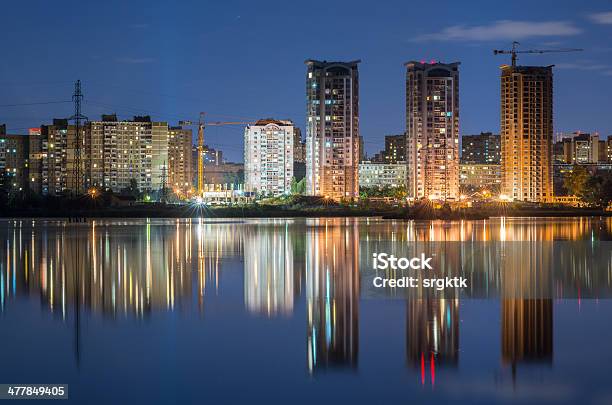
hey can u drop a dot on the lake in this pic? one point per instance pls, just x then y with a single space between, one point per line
284 310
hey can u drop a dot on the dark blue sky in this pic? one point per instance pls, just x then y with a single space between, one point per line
245 59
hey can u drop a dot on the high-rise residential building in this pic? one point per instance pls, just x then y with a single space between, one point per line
299 155
35 160
268 157
180 167
299 146
126 151
332 135
484 148
362 152
58 143
378 175
526 132
432 130
14 152
395 148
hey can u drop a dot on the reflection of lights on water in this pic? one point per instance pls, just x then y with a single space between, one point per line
149 271
502 229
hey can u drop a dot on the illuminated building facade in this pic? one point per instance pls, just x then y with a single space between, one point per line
432 130
299 155
268 157
122 151
180 167
582 148
379 175
299 146
14 152
58 142
394 152
484 148
35 160
395 149
474 177
526 132
332 135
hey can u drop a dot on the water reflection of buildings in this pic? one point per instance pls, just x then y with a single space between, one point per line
527 331
332 293
432 335
133 268
270 277
526 301
120 268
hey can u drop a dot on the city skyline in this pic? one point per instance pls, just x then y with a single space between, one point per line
172 65
311 202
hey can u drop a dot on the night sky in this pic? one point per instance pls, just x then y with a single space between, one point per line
244 60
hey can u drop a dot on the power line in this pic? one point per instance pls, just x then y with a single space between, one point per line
136 110
37 103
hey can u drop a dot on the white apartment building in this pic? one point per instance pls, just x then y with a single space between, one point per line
268 157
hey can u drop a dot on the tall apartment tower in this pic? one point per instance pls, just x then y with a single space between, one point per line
268 156
122 151
527 132
432 130
332 135
180 167
58 143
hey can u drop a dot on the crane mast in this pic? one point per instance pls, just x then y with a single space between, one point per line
201 155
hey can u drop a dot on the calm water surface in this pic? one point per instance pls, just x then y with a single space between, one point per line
226 311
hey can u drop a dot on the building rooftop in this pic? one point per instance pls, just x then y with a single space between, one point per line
352 63
525 69
281 123
431 64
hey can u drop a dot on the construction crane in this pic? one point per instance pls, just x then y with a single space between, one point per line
200 148
514 51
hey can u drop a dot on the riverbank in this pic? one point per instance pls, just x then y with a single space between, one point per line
273 211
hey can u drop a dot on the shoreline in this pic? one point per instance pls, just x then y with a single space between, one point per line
169 211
